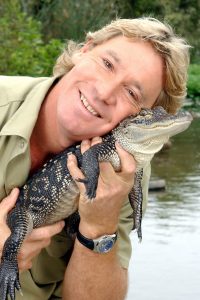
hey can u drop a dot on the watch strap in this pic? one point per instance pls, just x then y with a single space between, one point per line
85 241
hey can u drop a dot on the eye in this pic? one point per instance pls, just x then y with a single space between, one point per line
135 99
108 64
132 94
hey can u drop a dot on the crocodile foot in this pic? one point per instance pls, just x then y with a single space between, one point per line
9 279
90 186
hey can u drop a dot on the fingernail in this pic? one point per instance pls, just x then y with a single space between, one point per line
97 139
14 191
62 223
85 142
70 155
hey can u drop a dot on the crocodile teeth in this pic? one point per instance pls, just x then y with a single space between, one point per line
87 106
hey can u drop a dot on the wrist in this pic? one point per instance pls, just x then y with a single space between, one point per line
95 230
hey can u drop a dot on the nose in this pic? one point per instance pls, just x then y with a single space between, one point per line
107 91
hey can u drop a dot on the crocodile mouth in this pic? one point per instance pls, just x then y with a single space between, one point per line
88 106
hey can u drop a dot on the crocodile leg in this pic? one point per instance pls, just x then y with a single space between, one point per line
136 198
20 224
90 168
104 151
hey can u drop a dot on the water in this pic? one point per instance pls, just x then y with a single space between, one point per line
166 265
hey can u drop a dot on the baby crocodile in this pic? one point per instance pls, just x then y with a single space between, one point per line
51 194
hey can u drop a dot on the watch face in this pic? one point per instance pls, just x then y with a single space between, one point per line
105 245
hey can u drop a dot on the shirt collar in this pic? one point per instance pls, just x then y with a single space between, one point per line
23 120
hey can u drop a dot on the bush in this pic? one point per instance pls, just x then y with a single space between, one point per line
194 85
24 52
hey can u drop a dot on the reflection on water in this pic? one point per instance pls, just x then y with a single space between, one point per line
166 265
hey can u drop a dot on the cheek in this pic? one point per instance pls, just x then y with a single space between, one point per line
86 68
65 109
125 109
62 116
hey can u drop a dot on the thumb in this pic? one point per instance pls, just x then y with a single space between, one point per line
8 202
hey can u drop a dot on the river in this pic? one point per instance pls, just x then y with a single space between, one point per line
166 265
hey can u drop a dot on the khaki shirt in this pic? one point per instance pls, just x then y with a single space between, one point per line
20 102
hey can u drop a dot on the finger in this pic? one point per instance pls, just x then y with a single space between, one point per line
30 249
128 167
85 145
107 171
8 202
75 172
48 231
96 140
128 163
24 265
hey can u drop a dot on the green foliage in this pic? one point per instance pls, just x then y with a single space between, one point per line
183 15
194 85
72 18
23 51
148 8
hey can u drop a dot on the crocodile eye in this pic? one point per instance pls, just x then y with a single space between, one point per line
149 116
145 111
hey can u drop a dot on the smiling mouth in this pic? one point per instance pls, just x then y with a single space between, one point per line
88 106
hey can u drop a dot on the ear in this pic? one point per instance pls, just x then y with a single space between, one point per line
84 49
87 46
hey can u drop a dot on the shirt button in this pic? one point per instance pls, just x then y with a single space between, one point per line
21 144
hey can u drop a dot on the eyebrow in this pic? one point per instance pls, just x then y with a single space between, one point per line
114 55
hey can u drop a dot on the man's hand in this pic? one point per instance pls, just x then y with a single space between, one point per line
34 243
5 206
101 216
38 239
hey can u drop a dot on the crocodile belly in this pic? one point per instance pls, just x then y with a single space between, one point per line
67 205
56 204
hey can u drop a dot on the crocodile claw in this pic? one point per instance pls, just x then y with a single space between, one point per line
90 186
9 279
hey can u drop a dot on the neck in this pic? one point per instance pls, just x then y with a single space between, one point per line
38 147
44 141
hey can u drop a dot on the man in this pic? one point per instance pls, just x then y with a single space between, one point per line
126 65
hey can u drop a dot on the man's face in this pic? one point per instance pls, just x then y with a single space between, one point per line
107 84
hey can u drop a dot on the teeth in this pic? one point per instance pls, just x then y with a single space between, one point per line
87 106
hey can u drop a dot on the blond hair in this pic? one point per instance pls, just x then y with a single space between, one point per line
173 49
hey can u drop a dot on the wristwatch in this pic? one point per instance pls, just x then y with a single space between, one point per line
103 244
